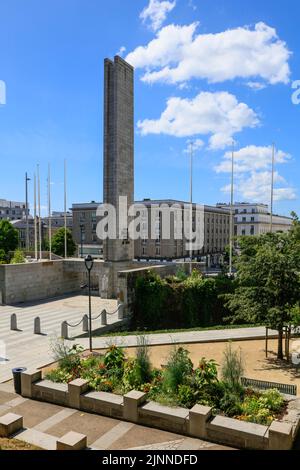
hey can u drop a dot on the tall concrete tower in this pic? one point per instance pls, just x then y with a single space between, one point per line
118 152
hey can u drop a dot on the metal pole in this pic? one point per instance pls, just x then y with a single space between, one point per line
26 214
49 214
35 222
39 211
65 206
272 188
191 207
231 212
90 314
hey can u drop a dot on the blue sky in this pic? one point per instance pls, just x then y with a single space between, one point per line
206 71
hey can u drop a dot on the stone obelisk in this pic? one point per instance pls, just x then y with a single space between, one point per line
119 153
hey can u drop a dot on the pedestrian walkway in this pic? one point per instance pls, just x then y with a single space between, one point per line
24 349
44 423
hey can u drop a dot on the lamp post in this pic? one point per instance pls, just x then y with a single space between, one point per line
81 240
89 266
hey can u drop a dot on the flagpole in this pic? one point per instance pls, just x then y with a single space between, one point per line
272 188
191 202
49 213
65 206
35 222
39 212
231 212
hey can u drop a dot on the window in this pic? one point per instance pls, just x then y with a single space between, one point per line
252 219
252 230
244 219
243 232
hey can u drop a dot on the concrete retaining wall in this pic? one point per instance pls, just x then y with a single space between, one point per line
134 407
36 281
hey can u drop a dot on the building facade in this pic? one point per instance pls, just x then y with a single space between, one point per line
153 243
11 210
255 219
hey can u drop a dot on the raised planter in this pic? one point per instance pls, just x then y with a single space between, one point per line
197 422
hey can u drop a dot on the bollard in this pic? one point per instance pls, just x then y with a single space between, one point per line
13 322
64 330
37 326
85 323
120 311
103 318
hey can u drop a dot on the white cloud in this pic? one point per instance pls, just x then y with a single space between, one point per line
2 92
257 188
156 12
256 86
197 145
251 158
252 169
121 51
178 54
218 115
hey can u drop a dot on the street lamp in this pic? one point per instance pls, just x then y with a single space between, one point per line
89 262
81 240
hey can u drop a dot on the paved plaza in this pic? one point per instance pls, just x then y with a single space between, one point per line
24 349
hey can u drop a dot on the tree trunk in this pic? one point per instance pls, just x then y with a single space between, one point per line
280 349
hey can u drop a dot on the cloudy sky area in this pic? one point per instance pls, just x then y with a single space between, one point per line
209 72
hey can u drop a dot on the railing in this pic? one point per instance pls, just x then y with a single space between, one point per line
85 321
287 389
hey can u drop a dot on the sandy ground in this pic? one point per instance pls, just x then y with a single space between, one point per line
256 366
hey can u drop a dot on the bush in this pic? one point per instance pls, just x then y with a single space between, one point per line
186 396
178 370
232 367
18 257
114 360
185 302
68 357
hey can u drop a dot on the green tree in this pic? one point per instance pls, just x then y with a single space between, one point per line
58 243
268 282
9 236
18 257
3 257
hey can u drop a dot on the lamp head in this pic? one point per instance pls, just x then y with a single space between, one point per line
89 262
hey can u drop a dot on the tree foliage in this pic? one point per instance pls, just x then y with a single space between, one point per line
268 281
9 237
18 257
58 243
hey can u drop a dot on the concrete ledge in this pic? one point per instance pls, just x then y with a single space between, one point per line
104 403
132 401
27 379
280 436
10 424
199 416
196 422
164 417
72 441
238 433
75 389
52 392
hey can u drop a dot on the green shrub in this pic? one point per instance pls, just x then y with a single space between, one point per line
232 367
206 373
68 357
18 257
114 358
186 396
178 370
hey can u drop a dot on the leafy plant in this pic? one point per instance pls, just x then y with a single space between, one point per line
178 369
186 396
114 360
18 257
68 357
232 367
206 373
